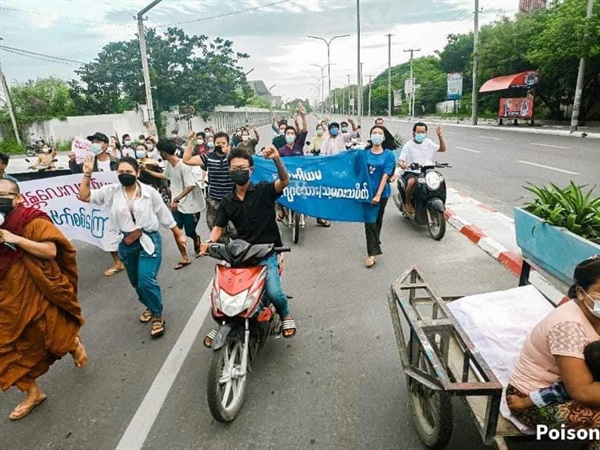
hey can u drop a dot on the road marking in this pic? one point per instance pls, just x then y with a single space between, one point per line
144 418
450 132
549 167
489 137
548 145
468 150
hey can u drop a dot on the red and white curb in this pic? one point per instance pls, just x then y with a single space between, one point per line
511 260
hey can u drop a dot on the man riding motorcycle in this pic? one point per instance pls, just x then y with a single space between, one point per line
419 150
251 208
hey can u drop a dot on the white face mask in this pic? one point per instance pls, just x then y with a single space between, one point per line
595 310
245 137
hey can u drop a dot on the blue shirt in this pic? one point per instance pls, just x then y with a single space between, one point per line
8 177
378 166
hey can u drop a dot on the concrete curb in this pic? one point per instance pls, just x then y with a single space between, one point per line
512 261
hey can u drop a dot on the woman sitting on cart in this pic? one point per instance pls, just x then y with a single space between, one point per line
552 384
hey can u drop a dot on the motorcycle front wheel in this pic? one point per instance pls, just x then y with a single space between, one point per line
226 386
296 228
30 152
436 223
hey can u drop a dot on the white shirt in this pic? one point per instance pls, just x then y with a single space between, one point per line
104 166
418 153
149 210
154 154
333 145
181 176
127 151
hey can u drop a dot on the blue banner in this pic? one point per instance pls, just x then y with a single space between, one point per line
335 187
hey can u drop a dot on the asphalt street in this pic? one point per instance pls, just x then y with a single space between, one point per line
337 385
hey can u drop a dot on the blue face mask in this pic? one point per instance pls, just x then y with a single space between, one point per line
96 148
377 139
420 137
344 129
140 154
289 138
334 131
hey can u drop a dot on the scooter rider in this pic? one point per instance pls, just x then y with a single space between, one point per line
251 208
420 149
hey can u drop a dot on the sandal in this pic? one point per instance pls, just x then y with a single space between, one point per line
113 271
146 316
323 223
182 264
286 325
210 337
17 414
158 327
79 354
370 262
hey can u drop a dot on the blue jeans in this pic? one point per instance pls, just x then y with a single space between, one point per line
142 270
273 286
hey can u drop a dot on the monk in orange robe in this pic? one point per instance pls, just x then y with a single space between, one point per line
40 316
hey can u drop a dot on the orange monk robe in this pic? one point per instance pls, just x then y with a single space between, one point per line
40 315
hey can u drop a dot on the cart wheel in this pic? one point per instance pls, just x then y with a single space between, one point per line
432 411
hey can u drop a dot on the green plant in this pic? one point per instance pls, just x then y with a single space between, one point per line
11 147
568 208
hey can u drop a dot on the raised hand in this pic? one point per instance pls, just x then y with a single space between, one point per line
88 165
271 152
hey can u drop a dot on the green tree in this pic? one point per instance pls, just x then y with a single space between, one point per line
44 98
184 70
258 102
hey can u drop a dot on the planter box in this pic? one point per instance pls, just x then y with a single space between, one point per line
555 250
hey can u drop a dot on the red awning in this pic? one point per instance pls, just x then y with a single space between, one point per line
523 79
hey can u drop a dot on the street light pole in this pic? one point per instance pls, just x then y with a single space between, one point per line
359 68
328 43
369 112
580 75
349 96
322 85
475 56
13 119
411 105
146 70
389 76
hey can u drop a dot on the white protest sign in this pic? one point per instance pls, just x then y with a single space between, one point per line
59 198
455 86
82 148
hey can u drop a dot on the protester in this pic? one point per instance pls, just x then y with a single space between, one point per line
317 140
4 158
335 143
127 148
249 144
279 140
40 316
200 144
348 134
141 138
152 150
219 181
175 137
187 200
138 211
114 147
251 207
73 166
379 122
237 137
420 150
294 140
381 164
141 151
46 158
208 132
103 162
210 143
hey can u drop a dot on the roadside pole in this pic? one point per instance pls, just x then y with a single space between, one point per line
580 76
475 56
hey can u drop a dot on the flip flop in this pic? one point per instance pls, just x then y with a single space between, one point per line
323 223
113 271
31 407
181 265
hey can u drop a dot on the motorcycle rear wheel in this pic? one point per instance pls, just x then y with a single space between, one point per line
226 389
436 223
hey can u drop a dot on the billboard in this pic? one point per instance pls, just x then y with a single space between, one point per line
529 5
455 86
516 108
397 98
408 86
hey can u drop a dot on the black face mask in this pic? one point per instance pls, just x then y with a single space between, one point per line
127 179
6 206
240 177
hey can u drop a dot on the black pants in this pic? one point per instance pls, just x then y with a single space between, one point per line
373 231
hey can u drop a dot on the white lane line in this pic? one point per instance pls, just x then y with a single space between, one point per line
549 146
549 167
468 150
144 418
450 132
489 137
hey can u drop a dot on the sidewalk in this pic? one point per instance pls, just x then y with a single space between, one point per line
494 233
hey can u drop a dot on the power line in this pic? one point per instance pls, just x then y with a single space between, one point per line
224 14
35 55
75 19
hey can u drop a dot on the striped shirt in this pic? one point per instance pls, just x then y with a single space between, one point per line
219 182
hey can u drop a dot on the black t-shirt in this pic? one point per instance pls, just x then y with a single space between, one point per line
254 218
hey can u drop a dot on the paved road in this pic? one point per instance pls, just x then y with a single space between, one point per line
338 384
493 166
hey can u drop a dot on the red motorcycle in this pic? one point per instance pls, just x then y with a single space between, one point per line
246 320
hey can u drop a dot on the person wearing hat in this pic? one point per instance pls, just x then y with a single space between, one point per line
335 143
104 162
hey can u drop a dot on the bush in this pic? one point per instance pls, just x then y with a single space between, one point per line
568 208
11 147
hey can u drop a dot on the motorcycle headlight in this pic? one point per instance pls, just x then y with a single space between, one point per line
232 305
433 180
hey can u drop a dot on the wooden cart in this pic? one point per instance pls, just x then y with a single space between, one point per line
440 361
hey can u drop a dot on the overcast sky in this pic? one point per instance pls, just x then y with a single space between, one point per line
273 36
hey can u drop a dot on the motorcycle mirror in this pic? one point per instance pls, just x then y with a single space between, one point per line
27 160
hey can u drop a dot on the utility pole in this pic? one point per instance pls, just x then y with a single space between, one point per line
147 85
475 56
349 95
389 78
581 73
358 63
369 112
361 90
13 119
411 104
